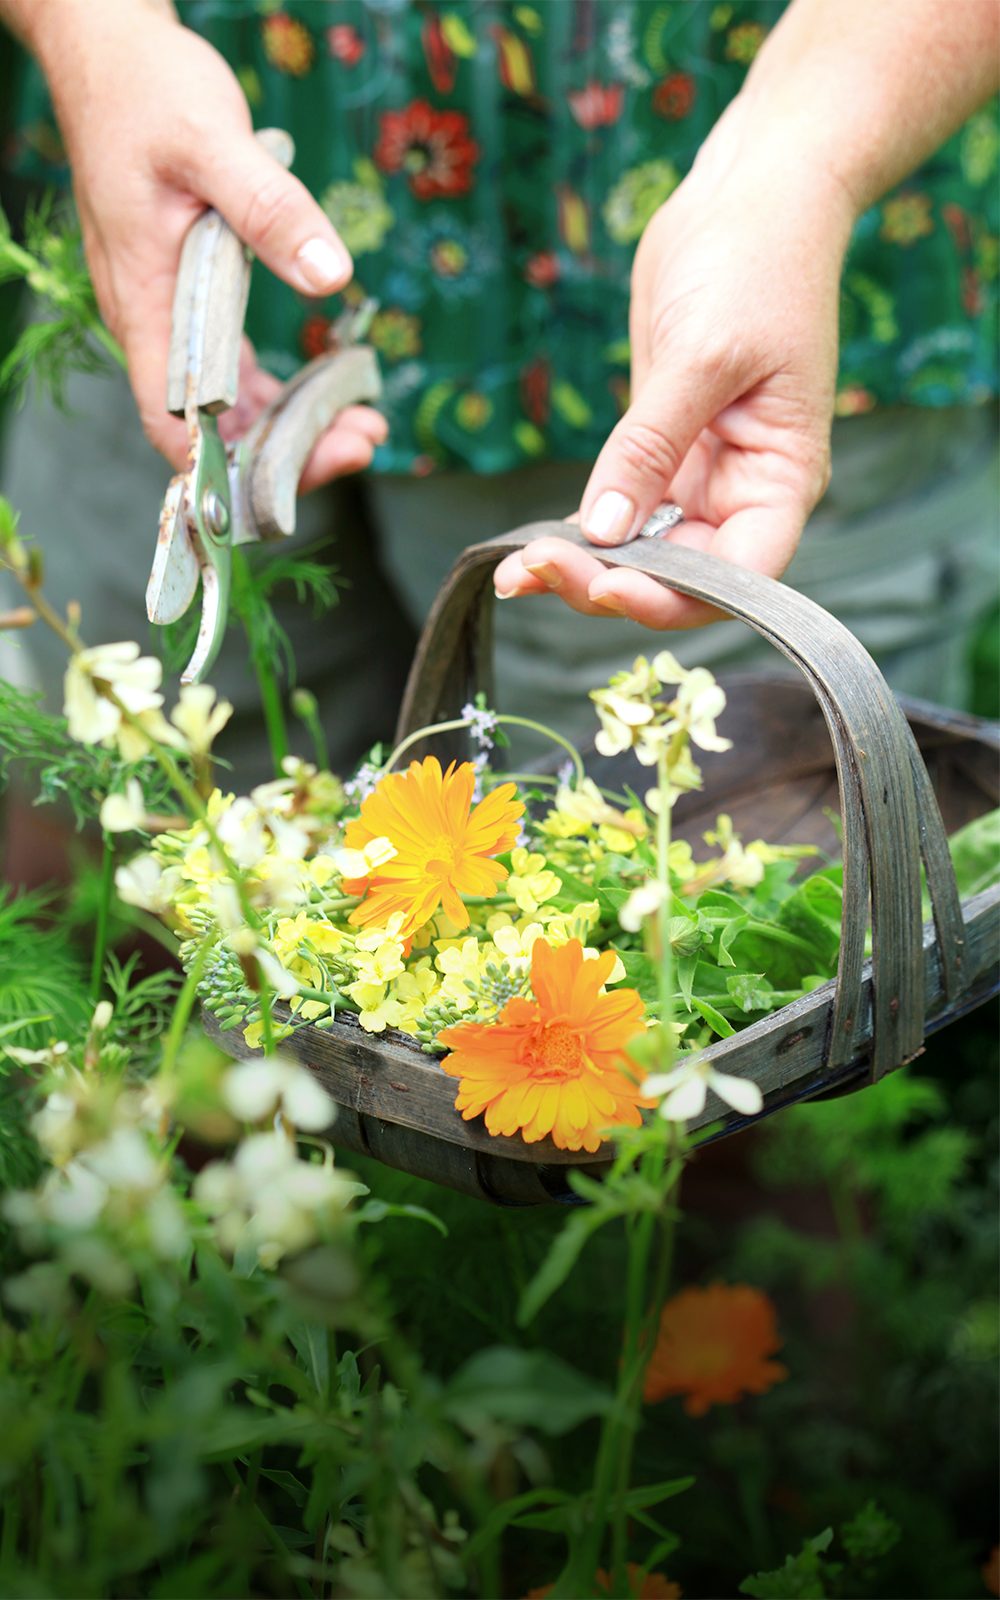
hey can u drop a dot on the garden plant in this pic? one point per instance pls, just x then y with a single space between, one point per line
235 1362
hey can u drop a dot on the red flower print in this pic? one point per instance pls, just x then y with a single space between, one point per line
345 44
288 44
958 224
535 384
314 337
431 147
972 294
442 64
542 270
674 97
598 105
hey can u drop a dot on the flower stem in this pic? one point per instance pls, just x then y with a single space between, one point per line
664 965
267 682
507 721
103 914
183 1008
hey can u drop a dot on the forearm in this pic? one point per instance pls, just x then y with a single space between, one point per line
860 92
38 22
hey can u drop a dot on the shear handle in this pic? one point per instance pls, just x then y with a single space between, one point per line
210 302
273 453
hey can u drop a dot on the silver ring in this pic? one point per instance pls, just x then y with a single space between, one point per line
662 520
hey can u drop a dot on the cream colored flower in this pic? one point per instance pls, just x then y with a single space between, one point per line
123 813
93 676
642 903
685 1090
144 882
199 717
362 863
530 882
255 1090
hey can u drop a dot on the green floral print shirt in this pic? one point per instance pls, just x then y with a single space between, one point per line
491 166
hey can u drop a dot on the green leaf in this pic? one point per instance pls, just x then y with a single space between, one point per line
715 1019
289 1482
803 1577
975 854
751 991
562 1258
870 1535
312 1348
375 1210
524 1388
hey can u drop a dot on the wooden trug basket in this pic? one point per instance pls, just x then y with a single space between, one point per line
897 767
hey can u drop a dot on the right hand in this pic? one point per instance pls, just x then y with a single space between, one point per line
157 129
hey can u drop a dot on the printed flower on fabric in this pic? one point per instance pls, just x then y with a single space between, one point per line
714 1346
395 334
555 1065
597 105
345 44
457 257
288 44
636 196
743 42
444 844
675 96
907 218
432 149
359 211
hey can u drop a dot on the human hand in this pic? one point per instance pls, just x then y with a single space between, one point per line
157 128
733 325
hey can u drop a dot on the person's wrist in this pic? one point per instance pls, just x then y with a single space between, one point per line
752 161
54 30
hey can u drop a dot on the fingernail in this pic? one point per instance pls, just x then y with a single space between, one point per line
550 576
609 602
507 594
610 518
322 265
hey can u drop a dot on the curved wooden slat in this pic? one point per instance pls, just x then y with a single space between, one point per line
890 818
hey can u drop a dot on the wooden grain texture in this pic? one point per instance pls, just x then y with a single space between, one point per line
398 1105
890 818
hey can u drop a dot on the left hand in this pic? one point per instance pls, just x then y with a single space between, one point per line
733 327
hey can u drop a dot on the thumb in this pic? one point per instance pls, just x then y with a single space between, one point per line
277 217
634 471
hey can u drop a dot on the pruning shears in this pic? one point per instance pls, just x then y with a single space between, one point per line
243 492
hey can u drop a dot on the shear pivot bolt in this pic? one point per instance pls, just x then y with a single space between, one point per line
215 512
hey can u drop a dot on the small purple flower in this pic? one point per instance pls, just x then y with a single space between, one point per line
482 725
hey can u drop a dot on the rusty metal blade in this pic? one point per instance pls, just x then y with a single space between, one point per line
174 578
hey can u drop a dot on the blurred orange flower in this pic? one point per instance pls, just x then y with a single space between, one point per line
556 1064
654 1586
443 844
713 1347
991 1571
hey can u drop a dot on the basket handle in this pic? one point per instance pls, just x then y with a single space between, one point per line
890 813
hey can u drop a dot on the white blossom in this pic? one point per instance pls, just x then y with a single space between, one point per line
123 813
685 1089
643 902
255 1090
199 717
144 882
133 679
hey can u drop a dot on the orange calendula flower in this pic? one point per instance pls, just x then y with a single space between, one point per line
713 1347
443 844
555 1065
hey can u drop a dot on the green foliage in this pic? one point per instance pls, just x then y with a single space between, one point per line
40 974
813 1574
71 338
36 747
